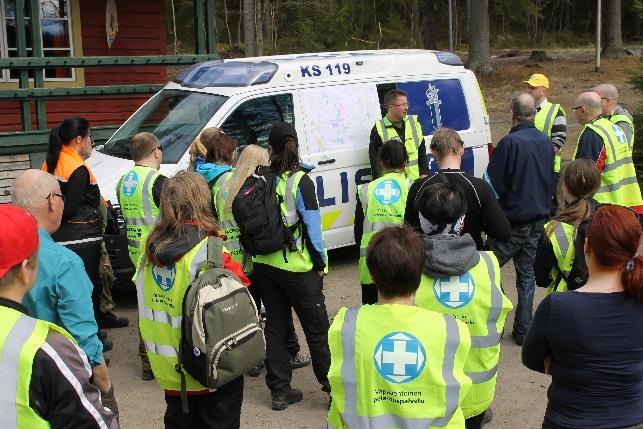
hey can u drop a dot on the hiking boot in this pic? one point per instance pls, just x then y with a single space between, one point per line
255 370
110 320
488 416
299 361
147 374
282 398
108 344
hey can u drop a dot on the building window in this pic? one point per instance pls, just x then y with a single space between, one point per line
56 31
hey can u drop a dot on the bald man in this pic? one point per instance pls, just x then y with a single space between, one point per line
62 293
521 174
614 111
606 144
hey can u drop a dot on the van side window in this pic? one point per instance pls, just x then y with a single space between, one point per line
250 123
437 103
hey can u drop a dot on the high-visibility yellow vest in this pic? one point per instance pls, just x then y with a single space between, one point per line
383 203
562 241
412 140
20 338
544 121
397 366
618 178
136 198
160 292
299 261
227 224
476 299
620 117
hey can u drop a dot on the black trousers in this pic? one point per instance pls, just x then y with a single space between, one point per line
292 342
217 410
474 422
281 292
90 254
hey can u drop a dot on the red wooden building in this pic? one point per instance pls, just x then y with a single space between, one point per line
77 28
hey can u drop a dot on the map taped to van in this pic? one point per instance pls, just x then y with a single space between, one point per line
438 103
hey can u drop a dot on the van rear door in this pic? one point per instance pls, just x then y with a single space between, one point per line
337 122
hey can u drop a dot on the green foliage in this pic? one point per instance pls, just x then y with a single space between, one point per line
316 25
636 80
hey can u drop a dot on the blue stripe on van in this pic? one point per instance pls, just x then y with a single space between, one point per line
468 162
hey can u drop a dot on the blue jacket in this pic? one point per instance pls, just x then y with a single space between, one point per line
521 173
62 295
211 171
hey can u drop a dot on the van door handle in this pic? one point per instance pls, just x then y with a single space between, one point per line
326 161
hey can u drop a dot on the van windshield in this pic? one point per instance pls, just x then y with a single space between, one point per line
175 116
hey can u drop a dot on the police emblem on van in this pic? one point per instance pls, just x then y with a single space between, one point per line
399 357
164 276
455 291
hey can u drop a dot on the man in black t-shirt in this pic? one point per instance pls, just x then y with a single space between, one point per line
483 211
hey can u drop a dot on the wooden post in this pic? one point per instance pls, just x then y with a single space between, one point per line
39 74
598 36
23 80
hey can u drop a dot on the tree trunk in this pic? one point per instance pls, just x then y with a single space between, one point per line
479 57
429 26
613 39
259 26
267 23
249 35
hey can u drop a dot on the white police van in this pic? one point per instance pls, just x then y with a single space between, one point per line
333 99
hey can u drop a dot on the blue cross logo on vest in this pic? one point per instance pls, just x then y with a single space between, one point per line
164 276
620 135
388 192
454 291
399 357
129 184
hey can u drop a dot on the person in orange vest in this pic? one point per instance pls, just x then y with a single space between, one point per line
81 229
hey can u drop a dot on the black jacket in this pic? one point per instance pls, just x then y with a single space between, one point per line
483 211
521 172
54 394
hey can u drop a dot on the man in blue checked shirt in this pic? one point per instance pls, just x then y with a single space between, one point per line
62 292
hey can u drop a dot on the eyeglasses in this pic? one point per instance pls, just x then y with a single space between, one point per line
157 147
606 98
577 107
54 194
400 105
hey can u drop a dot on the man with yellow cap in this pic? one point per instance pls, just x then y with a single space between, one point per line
550 118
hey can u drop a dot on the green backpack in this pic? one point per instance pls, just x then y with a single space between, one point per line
221 334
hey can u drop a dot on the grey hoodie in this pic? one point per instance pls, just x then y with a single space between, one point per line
450 256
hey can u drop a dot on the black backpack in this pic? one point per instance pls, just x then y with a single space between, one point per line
257 213
578 275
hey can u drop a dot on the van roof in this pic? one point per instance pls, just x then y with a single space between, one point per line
282 70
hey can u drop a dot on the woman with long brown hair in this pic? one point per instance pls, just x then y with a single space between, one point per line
591 339
175 253
557 249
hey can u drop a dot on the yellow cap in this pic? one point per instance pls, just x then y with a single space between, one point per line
537 79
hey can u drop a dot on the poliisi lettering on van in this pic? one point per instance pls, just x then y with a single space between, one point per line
333 100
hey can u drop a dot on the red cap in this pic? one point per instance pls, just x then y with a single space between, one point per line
18 236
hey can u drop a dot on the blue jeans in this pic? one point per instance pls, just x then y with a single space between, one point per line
522 246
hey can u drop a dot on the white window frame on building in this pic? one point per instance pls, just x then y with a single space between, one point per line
5 75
